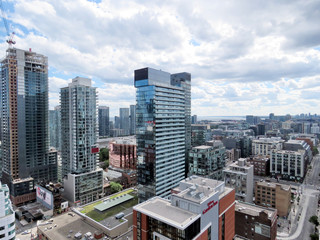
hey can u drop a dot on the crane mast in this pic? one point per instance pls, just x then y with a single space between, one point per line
10 40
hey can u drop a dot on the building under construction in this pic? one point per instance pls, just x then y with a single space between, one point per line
24 124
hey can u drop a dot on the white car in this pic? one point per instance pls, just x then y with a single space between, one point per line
26 232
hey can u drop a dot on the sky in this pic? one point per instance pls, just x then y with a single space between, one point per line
245 57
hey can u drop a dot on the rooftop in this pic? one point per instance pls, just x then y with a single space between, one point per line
198 189
64 225
163 211
273 185
254 210
202 147
125 140
269 140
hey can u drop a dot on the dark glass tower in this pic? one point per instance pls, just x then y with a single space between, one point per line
103 115
24 125
124 120
162 130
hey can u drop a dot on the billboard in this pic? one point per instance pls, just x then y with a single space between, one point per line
64 205
44 196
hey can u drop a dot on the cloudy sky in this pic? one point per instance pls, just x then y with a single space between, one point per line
245 57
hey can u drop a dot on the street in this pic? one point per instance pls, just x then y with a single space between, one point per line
301 227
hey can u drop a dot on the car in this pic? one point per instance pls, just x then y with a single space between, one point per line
25 232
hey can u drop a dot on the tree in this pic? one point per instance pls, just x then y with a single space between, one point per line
314 236
104 164
104 155
115 187
314 219
315 151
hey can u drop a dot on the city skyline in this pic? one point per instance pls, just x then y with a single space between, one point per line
264 62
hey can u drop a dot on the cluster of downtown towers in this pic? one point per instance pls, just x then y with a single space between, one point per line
163 130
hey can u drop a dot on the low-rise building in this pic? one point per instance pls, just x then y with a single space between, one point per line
200 208
273 195
295 145
255 222
261 165
264 146
289 165
68 226
122 153
239 175
208 160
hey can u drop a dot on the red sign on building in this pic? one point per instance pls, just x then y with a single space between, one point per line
210 205
94 150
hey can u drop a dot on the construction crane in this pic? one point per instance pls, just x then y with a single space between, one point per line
10 40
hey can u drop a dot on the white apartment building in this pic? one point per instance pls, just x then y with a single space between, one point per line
288 164
315 128
83 179
239 175
264 146
7 218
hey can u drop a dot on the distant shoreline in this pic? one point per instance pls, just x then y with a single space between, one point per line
217 118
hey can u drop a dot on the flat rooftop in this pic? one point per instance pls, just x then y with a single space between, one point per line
109 203
163 211
273 185
202 147
254 210
198 189
66 225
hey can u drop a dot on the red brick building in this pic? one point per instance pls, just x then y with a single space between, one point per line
255 222
122 154
199 209
261 165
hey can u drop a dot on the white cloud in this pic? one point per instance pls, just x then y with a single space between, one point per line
244 57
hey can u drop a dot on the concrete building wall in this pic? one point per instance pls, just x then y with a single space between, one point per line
283 200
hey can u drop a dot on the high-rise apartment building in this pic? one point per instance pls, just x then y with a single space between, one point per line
132 119
83 180
161 130
124 120
7 216
55 128
24 124
194 119
103 114
116 122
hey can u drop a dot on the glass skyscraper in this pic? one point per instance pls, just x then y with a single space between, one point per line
162 119
55 128
83 180
103 114
124 120
24 123
132 119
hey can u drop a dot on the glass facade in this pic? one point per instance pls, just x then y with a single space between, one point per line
78 128
55 128
83 180
103 114
24 125
161 133
124 120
